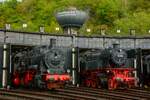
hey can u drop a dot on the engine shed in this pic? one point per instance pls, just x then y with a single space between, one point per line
22 41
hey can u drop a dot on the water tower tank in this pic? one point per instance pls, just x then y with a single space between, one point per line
71 19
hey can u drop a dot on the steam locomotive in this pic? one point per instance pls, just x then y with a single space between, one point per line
110 68
42 67
49 67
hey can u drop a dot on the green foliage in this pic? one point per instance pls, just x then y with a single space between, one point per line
104 14
139 5
138 21
108 11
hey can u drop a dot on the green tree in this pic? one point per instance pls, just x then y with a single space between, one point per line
139 5
104 14
138 21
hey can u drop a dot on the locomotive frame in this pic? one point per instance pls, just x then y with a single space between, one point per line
111 78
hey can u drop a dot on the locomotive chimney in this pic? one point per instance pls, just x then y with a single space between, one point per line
52 43
116 45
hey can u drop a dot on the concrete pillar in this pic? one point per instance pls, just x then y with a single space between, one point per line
140 60
10 60
135 66
77 67
73 66
4 74
67 31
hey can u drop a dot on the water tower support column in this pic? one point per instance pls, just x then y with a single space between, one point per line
71 20
73 67
74 72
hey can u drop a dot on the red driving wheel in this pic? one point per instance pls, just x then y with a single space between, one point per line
93 84
88 83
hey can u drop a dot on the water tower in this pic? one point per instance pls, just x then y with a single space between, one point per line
71 20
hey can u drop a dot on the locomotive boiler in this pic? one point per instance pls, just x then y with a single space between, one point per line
42 67
108 68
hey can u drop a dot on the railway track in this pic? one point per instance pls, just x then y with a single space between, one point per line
132 94
75 93
147 90
96 96
137 92
25 95
111 95
45 95
32 95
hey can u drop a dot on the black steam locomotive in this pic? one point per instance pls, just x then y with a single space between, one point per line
42 66
111 68
48 67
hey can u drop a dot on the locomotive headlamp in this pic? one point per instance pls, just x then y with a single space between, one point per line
48 71
107 71
68 70
120 50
